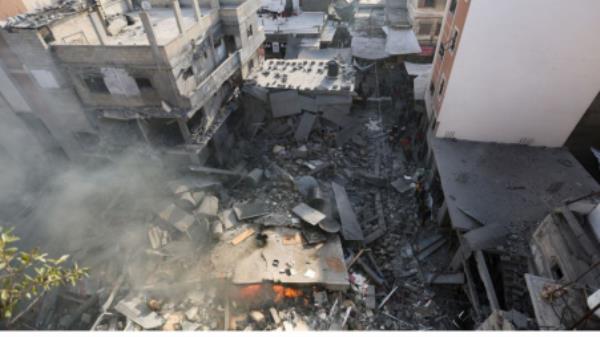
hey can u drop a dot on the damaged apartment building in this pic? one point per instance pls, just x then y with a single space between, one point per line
500 145
94 78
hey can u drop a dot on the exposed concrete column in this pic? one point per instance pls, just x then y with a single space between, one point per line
148 29
197 10
178 18
98 28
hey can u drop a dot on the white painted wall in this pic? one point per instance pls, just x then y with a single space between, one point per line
523 69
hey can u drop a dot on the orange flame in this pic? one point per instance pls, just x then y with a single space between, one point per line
282 292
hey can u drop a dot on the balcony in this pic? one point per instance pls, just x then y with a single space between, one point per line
205 90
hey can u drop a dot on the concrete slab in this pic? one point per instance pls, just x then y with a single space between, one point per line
250 210
284 103
135 309
305 127
507 184
308 214
351 229
296 264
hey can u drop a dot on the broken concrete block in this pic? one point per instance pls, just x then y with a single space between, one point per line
158 237
136 310
250 210
257 316
275 315
217 229
308 214
228 218
277 149
320 298
209 206
370 300
177 217
192 314
401 185
254 177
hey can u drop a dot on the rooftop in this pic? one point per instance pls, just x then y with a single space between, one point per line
305 23
45 16
302 74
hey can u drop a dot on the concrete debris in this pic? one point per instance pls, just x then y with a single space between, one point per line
135 309
250 210
228 218
177 217
351 229
308 214
209 206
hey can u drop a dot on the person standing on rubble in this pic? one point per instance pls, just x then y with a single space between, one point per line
421 198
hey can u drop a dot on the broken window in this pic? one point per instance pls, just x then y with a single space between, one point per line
442 84
95 84
143 83
250 31
250 65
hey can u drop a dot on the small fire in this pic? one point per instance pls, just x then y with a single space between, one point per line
254 292
282 292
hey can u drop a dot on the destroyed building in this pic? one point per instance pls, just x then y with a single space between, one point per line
120 72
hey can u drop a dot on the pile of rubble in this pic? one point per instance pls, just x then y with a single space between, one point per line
311 234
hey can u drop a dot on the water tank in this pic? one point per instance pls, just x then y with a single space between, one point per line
333 68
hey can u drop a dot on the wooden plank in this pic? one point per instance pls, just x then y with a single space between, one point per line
242 236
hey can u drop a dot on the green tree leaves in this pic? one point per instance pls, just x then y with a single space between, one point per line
26 275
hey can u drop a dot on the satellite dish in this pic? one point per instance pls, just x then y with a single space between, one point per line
146 5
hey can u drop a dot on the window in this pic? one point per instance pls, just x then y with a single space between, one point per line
432 88
442 50
250 31
425 28
442 85
452 6
453 39
143 83
429 3
250 65
438 29
95 84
